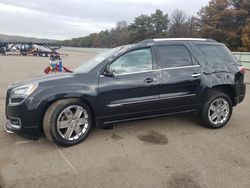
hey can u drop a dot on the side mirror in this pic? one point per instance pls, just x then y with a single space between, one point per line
108 72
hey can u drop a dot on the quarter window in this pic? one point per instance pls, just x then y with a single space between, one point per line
174 56
134 61
217 54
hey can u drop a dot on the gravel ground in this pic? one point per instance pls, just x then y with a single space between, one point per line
164 152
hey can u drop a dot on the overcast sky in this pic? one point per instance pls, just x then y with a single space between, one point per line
64 19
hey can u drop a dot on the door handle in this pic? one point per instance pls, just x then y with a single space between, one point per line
195 75
149 80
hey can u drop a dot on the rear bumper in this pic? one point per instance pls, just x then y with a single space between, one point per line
241 92
242 96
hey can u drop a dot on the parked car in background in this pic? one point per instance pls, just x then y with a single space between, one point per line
152 78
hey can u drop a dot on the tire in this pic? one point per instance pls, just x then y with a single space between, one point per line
213 116
65 130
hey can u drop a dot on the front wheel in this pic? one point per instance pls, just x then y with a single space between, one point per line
217 110
67 122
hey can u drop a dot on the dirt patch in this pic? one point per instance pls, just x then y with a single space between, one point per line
180 180
116 136
154 138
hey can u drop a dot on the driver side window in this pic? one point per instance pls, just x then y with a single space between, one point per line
134 61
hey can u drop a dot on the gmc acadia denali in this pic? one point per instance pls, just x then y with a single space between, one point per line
152 78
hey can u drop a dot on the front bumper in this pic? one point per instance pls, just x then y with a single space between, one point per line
32 132
8 126
23 119
26 130
14 124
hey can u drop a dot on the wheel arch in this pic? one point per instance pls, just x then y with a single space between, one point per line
45 107
225 88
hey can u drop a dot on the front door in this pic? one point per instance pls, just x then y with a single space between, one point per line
134 89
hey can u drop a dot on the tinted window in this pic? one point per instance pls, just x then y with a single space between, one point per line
217 53
174 56
135 61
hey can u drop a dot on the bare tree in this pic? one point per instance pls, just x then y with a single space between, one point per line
178 26
193 27
178 17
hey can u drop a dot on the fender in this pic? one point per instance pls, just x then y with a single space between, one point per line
220 80
46 96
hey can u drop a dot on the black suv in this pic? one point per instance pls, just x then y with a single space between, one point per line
152 78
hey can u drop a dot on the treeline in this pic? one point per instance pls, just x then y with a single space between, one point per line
226 21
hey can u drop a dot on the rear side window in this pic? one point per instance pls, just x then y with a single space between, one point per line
217 54
174 56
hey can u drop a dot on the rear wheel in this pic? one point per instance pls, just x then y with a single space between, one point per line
67 122
217 110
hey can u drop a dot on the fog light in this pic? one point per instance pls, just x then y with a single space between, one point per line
15 122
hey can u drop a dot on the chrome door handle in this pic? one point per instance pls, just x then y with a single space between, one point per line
149 80
196 75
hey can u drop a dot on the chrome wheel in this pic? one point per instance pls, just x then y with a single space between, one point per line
72 122
218 111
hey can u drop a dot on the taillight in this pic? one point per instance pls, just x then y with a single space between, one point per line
242 70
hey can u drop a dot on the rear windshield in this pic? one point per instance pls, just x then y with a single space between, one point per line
217 54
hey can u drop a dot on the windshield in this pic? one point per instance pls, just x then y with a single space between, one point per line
89 65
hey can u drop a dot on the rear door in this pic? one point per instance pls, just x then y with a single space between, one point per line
180 77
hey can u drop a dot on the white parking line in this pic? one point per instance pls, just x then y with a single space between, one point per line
65 158
24 142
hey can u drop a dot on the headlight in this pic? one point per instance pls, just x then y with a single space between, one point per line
22 92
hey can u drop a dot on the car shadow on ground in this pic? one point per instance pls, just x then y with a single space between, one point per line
149 130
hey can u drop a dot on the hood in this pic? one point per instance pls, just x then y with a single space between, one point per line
43 79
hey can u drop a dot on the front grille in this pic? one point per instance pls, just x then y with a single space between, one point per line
7 101
16 100
7 97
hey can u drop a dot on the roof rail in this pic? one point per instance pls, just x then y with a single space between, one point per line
177 39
